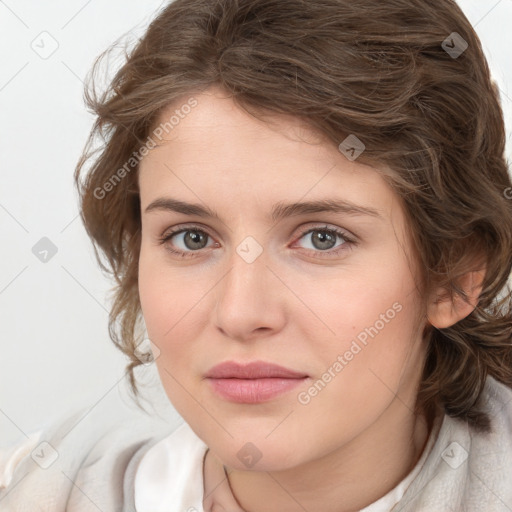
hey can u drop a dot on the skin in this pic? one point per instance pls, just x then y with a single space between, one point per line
296 305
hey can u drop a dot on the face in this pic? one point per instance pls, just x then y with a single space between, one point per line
325 293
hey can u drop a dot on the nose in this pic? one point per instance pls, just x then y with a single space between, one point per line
250 300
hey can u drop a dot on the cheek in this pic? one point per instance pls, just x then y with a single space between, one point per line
174 305
357 299
163 296
372 357
167 305
372 317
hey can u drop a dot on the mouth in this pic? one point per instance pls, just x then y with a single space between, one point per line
252 383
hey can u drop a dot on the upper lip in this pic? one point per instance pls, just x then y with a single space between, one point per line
252 370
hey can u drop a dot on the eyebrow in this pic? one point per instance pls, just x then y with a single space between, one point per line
279 210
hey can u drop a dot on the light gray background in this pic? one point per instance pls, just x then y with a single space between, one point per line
56 356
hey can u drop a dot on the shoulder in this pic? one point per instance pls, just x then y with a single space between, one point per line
84 456
492 451
489 477
468 469
496 398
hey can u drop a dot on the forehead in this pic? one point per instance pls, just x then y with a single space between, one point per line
215 107
217 147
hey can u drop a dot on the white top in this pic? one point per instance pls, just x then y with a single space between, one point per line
170 475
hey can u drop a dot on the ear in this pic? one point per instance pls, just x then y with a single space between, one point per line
442 312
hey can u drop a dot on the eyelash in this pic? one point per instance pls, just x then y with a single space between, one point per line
348 243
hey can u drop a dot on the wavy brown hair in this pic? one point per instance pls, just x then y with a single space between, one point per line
375 69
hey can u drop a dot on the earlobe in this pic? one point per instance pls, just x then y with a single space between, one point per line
444 312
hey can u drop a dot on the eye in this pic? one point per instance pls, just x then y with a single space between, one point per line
324 239
187 240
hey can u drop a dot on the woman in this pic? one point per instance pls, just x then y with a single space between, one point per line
306 204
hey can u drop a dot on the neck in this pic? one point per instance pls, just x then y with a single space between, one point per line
347 479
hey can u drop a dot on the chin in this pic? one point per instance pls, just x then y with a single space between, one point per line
267 455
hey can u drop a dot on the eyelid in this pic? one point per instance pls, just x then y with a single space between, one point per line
185 227
319 226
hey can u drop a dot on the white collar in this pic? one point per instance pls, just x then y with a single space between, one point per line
172 484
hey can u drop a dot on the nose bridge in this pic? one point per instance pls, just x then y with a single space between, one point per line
246 280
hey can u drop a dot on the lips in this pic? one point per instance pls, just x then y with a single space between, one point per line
254 382
252 370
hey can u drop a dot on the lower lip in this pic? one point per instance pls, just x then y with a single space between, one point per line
253 391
